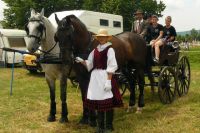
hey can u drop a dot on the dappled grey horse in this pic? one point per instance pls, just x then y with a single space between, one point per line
40 33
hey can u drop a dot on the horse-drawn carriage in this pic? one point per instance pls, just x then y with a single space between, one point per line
172 73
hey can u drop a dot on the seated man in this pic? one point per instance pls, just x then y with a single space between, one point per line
155 31
139 26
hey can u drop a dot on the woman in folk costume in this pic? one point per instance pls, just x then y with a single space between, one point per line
103 93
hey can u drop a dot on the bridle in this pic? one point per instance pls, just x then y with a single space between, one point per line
41 28
71 48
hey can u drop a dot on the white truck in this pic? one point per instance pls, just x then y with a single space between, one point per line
93 20
12 38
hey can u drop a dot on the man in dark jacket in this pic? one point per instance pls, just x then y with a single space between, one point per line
139 26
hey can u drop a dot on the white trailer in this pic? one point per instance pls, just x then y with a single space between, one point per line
93 20
12 38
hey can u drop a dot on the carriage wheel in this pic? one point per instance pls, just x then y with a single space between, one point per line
183 75
167 85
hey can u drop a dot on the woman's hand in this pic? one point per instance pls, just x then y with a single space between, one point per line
79 60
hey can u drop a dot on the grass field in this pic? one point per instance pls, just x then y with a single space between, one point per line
27 109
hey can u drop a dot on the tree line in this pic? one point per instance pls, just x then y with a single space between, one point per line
18 11
193 35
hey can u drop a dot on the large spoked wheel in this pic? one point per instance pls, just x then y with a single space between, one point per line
183 75
167 85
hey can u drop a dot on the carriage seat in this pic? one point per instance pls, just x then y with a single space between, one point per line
168 53
172 46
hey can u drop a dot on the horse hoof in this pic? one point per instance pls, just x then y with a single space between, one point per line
139 110
92 123
51 118
84 121
63 120
130 109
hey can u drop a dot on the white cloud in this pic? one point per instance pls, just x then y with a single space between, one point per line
197 3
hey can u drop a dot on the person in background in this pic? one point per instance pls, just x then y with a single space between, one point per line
186 44
102 94
156 33
139 26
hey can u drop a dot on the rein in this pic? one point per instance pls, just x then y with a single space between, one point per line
48 51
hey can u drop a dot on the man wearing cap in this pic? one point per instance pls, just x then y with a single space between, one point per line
139 26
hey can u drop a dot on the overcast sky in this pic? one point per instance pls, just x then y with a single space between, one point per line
185 13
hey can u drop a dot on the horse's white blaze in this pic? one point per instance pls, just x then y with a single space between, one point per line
32 43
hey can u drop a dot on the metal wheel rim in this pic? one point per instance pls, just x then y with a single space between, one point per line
183 75
167 85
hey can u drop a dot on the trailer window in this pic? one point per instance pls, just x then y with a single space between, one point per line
103 22
17 42
116 24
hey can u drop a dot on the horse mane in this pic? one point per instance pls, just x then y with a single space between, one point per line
76 22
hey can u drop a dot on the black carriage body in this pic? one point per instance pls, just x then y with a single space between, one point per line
168 55
173 76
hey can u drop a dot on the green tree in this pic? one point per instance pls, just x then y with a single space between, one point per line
194 34
152 7
180 38
198 37
19 10
120 7
188 38
93 5
126 8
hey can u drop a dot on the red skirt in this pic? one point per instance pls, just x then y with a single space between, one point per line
107 104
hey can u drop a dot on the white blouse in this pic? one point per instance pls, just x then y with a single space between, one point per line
99 76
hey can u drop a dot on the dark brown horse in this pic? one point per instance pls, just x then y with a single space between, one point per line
75 40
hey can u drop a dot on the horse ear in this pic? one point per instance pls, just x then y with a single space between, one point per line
42 12
32 12
56 18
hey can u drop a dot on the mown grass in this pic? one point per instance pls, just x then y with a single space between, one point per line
27 109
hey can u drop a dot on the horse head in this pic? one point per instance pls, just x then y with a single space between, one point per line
35 30
65 36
